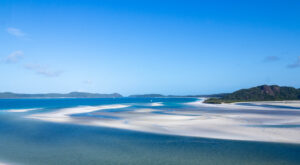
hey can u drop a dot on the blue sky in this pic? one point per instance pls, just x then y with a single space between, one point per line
131 47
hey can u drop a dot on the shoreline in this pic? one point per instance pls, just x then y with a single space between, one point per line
295 103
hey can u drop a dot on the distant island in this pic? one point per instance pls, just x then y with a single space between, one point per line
11 95
160 95
259 93
58 95
147 95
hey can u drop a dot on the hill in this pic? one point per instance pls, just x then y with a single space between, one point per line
146 95
259 93
58 95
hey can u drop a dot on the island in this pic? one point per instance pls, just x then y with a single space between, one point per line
259 93
147 96
10 95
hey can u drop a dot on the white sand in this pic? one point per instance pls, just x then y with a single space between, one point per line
143 110
20 110
295 104
157 104
63 115
197 123
232 106
2 163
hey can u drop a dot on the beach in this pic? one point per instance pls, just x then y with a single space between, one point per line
221 121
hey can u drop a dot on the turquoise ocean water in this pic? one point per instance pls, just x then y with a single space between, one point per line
34 142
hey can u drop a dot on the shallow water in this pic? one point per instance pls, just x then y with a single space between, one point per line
29 141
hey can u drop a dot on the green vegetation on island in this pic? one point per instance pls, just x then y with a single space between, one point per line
259 93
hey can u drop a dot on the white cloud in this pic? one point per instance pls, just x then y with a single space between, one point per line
296 64
42 70
14 57
16 32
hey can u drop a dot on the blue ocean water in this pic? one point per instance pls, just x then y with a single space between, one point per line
34 142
